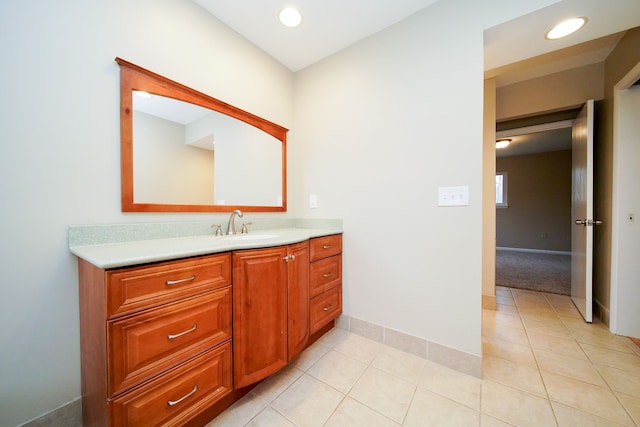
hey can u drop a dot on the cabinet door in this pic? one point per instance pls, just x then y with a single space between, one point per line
259 314
298 298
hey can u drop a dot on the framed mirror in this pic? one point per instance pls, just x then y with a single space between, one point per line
185 151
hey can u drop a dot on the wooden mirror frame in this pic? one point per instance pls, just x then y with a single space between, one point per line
135 78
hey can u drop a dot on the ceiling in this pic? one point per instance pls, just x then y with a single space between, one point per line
327 25
331 25
523 38
513 51
536 139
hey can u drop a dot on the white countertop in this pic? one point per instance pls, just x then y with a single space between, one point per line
121 254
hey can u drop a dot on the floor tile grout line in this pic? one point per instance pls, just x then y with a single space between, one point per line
345 395
592 363
535 358
565 321
530 346
609 387
368 365
304 372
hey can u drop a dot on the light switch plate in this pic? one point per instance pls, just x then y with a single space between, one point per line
453 196
313 201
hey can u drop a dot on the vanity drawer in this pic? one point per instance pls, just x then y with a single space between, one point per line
174 398
324 308
325 274
322 247
143 345
138 288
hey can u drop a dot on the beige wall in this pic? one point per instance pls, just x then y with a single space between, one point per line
554 92
489 196
539 195
624 57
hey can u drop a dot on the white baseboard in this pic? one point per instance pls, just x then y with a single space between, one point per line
536 251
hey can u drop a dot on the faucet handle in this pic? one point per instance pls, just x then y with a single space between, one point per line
218 228
245 230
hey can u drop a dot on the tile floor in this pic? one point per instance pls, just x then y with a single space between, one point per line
542 366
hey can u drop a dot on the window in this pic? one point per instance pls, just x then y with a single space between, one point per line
501 190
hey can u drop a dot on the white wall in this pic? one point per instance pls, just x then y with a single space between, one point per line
59 115
248 167
381 137
167 170
384 124
377 130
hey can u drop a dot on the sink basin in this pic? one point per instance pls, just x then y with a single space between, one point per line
250 236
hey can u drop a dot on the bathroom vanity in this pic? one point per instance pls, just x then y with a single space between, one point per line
178 322
174 330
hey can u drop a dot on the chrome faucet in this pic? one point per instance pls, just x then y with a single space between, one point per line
231 228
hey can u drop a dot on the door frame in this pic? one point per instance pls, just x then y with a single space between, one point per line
625 83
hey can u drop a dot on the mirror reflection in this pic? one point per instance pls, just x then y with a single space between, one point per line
184 151
187 154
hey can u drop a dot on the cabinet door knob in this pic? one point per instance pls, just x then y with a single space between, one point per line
327 308
176 282
325 275
174 336
175 402
326 246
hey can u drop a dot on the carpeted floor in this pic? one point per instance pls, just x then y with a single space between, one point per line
535 271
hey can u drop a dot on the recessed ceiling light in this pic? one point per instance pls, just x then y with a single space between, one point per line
565 28
503 143
290 17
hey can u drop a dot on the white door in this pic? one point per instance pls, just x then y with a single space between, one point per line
582 211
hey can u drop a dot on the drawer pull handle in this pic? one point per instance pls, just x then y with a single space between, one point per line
325 275
326 246
176 282
175 402
174 336
327 308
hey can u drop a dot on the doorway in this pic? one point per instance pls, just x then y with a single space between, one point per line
533 232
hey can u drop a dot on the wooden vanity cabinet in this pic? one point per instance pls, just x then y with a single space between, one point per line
155 340
325 302
270 310
297 299
175 343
